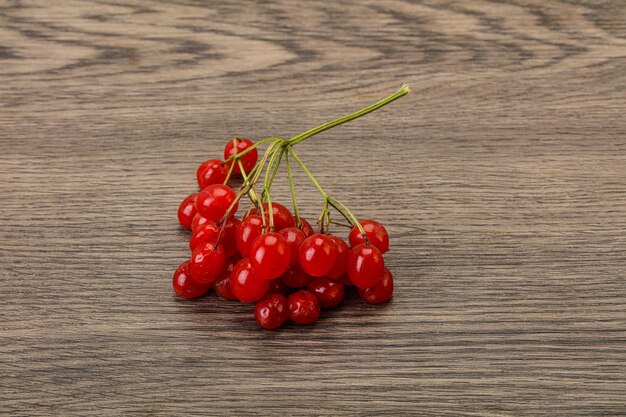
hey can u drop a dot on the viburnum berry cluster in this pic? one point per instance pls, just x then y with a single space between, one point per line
273 257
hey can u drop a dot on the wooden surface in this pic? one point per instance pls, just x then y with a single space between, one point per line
501 178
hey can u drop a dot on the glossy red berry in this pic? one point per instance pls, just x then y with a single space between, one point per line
245 284
204 234
379 293
186 287
198 221
211 172
295 277
206 263
248 160
271 312
228 238
187 210
328 292
317 255
341 262
365 265
270 255
250 228
214 201
376 234
222 283
305 226
282 215
304 307
294 238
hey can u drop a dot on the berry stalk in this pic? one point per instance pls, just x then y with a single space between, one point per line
251 148
293 191
328 200
404 90
280 148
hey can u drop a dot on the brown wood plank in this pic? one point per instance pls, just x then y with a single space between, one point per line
501 178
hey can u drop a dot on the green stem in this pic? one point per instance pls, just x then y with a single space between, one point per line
404 90
257 174
254 175
275 167
336 204
270 171
232 166
285 147
251 192
269 207
307 172
242 169
323 220
341 224
340 211
352 218
293 191
258 169
251 148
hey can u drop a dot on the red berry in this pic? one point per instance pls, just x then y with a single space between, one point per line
304 307
270 255
328 292
277 286
376 234
222 283
204 234
271 311
365 265
295 277
187 210
244 283
228 236
198 221
207 263
186 287
341 263
250 228
214 201
282 215
248 160
317 255
294 238
211 172
305 226
379 293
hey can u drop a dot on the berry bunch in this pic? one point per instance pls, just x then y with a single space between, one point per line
272 256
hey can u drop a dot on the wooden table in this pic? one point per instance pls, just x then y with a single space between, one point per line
501 178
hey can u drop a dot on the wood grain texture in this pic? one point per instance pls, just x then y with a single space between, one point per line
501 178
